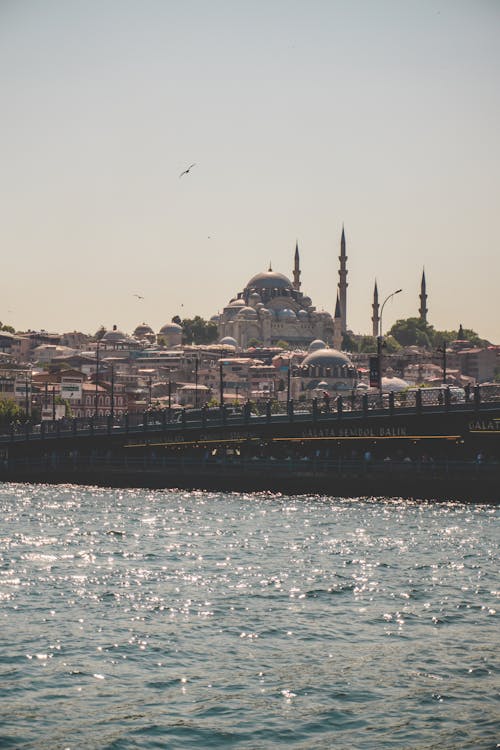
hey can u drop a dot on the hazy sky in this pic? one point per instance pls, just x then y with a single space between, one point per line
301 115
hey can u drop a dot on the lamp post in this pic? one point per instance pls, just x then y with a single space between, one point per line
288 383
112 393
196 382
96 397
442 349
379 338
221 384
27 397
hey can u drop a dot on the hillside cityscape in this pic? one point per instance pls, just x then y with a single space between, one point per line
269 343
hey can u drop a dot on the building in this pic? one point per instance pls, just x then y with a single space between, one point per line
272 309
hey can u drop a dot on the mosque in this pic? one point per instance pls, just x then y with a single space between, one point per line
271 308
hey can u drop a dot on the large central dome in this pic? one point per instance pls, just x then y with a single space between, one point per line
269 280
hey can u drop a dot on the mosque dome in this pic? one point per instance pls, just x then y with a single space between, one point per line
286 314
302 315
316 344
114 337
170 328
326 358
254 299
236 303
247 312
143 331
229 341
269 280
394 384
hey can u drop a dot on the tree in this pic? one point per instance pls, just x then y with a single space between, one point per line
415 332
198 331
412 332
176 319
6 328
283 344
9 411
99 333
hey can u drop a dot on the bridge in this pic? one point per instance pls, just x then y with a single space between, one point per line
400 445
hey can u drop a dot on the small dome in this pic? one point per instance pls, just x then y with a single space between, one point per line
171 328
286 314
265 312
254 298
316 344
302 315
394 384
247 312
229 341
326 358
237 303
114 336
143 330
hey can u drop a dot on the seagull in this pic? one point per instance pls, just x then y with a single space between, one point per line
187 170
138 296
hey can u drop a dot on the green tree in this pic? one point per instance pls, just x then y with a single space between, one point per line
99 333
198 331
283 344
6 328
414 331
9 411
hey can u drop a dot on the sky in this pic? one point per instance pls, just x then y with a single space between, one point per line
301 116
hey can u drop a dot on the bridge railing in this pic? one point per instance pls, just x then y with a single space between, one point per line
349 404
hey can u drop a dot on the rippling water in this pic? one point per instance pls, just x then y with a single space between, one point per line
165 619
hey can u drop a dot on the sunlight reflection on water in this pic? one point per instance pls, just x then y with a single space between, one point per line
159 618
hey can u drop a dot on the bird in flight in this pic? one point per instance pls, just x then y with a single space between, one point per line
187 170
138 296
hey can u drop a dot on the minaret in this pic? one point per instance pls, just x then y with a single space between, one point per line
375 308
337 326
296 269
423 299
343 282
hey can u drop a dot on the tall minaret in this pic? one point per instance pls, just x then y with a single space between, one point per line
337 326
296 269
343 282
375 316
423 299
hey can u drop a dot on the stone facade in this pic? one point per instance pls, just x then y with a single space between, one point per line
271 309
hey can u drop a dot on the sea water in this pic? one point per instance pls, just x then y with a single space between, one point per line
170 619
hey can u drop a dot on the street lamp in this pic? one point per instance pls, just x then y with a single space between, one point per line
221 383
96 397
112 393
442 349
379 338
196 382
